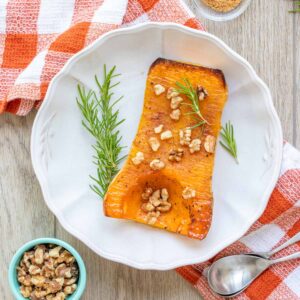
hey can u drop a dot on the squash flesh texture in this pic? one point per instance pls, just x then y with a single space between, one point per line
188 217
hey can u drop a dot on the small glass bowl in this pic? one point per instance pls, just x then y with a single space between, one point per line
211 14
12 271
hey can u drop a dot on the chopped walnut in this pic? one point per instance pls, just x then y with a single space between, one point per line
38 280
147 193
185 136
171 93
151 220
34 270
201 92
152 217
195 145
45 273
175 102
175 114
70 281
61 270
28 255
38 294
155 194
27 258
159 89
188 193
66 257
74 271
158 202
154 143
155 198
139 157
68 290
39 255
164 207
55 252
166 135
154 201
159 128
25 291
60 296
210 144
25 280
60 280
49 263
46 256
21 272
176 154
147 207
157 164
54 287
164 194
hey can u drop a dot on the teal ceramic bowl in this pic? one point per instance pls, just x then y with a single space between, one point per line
12 272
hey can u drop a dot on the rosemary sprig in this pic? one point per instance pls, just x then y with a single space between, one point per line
102 121
188 90
297 7
229 142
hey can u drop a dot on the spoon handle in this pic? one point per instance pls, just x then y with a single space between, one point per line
294 239
285 258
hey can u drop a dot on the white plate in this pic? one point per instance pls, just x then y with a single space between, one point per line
62 153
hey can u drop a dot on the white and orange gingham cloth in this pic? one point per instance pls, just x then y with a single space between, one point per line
37 37
279 222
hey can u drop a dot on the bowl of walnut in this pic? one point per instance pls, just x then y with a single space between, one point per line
47 269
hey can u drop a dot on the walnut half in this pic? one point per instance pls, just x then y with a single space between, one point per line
176 155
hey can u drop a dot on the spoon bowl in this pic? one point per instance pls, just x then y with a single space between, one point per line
232 274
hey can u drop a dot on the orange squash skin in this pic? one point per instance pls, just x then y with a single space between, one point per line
188 217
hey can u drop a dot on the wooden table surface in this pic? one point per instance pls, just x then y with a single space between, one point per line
267 36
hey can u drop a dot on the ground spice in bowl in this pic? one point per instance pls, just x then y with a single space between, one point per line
222 5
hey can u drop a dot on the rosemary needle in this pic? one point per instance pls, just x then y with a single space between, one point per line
188 90
229 143
102 121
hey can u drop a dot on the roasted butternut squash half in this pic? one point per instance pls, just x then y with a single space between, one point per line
166 181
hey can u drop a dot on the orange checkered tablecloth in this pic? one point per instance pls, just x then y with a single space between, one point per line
38 37
279 222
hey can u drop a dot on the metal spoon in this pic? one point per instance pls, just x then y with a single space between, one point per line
291 241
231 275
